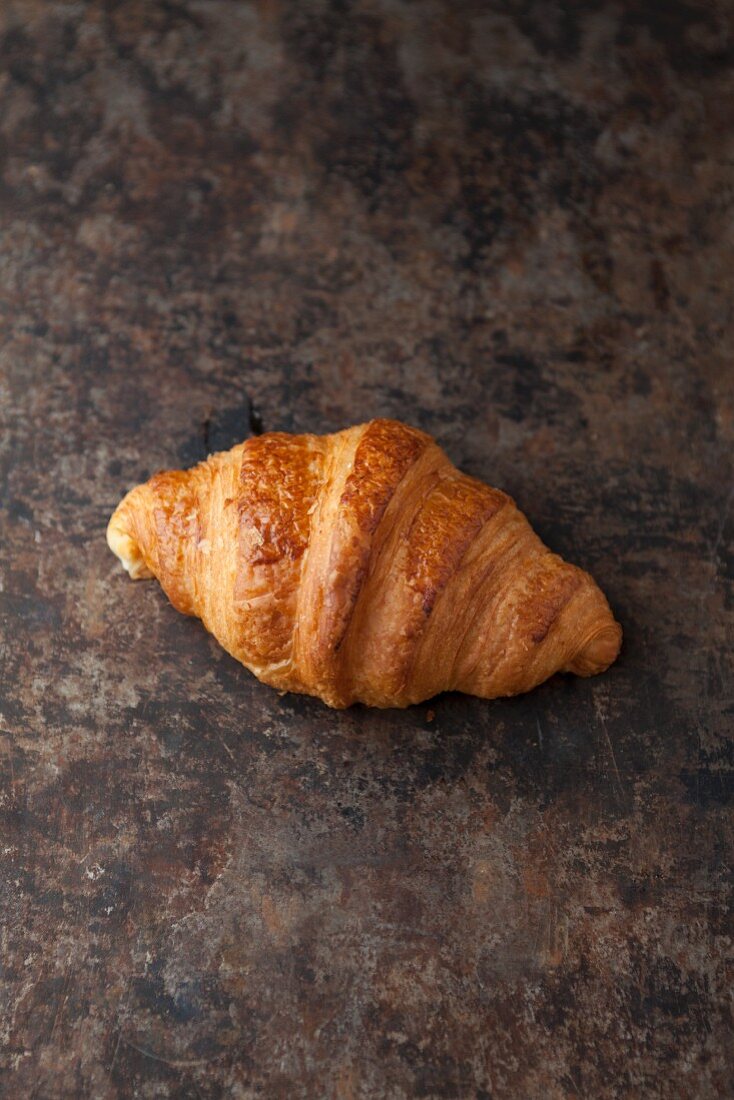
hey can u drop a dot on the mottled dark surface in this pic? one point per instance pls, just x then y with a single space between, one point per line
509 224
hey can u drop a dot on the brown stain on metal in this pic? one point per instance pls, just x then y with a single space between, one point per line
535 883
482 882
271 917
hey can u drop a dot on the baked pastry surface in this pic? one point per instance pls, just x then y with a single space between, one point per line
363 566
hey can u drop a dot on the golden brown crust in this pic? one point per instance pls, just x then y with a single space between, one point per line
280 478
177 520
364 566
442 531
384 454
279 482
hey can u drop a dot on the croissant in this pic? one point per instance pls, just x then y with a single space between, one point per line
363 566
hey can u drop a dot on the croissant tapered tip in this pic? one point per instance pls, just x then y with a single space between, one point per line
599 651
122 543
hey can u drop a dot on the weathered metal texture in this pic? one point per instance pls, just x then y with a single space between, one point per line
509 224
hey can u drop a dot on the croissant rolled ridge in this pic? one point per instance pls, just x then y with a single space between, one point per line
363 566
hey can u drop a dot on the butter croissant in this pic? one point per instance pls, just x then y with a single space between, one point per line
363 566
